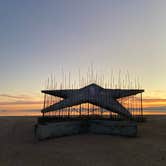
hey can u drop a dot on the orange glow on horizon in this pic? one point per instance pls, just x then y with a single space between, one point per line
154 113
31 105
154 102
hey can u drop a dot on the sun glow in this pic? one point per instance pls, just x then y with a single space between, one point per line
28 106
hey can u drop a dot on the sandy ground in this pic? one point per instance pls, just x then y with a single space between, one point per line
18 147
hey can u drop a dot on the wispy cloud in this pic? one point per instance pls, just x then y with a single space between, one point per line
159 94
27 104
21 102
2 111
154 103
154 100
15 96
27 112
162 108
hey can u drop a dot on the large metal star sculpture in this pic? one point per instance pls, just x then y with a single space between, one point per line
93 94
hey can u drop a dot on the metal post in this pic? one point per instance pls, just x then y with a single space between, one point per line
88 109
141 107
80 111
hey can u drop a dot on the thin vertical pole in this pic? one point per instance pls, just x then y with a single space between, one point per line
80 111
88 109
141 107
44 103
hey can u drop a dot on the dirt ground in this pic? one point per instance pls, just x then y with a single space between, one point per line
19 148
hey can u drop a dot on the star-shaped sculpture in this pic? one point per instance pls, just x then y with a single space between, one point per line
93 94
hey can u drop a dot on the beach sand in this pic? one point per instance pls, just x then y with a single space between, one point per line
19 148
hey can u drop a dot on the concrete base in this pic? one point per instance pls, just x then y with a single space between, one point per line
59 129
121 128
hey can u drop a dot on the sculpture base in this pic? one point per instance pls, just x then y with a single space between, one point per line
64 128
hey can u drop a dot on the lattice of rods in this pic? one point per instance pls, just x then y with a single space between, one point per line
132 103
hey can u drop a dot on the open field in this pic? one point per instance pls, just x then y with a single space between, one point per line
19 148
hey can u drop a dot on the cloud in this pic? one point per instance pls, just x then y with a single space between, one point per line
155 94
15 96
27 112
30 110
7 100
154 100
2 111
162 108
21 102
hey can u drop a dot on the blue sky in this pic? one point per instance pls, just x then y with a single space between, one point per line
38 37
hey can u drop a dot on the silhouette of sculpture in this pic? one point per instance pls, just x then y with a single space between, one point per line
93 94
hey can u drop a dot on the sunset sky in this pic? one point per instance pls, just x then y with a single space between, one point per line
39 37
